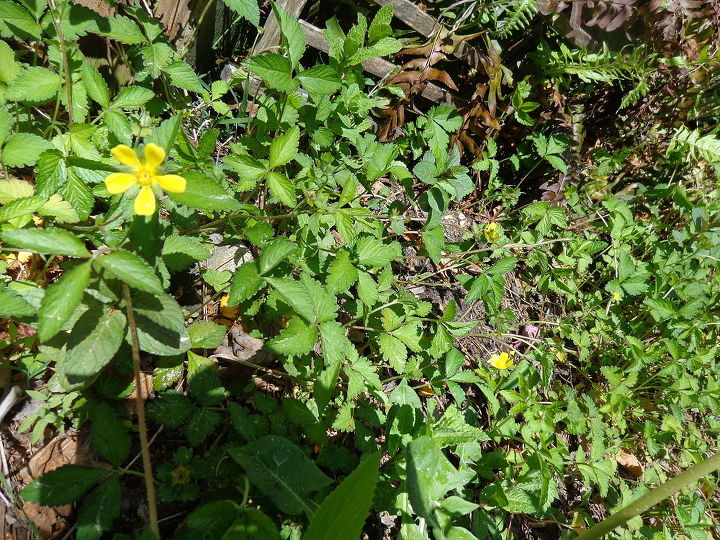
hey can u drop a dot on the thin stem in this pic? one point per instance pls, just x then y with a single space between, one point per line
657 495
142 426
66 65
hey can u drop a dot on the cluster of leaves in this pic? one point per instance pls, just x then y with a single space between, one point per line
623 364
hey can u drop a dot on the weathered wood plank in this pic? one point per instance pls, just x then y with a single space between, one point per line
413 16
271 34
377 66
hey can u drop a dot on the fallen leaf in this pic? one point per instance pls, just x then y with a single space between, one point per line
630 463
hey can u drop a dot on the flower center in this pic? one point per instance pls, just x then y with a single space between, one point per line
144 177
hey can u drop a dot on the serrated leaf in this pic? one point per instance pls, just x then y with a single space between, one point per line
95 85
61 210
168 371
282 188
51 172
34 85
132 97
274 69
109 435
78 194
9 68
202 425
246 282
341 273
23 149
297 339
274 253
46 241
61 299
503 266
183 76
63 485
94 341
383 47
131 269
342 514
99 509
374 253
307 297
204 193
123 29
20 207
335 347
321 80
160 325
170 408
249 169
14 189
204 381
179 252
206 335
18 22
452 429
284 147
394 351
367 289
292 34
282 472
245 8
13 305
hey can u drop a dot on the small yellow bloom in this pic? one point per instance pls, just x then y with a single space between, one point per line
617 296
228 312
501 361
144 174
491 233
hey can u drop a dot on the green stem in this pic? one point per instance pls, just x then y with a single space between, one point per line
66 64
659 494
142 426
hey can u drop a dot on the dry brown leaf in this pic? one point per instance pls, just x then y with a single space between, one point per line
630 463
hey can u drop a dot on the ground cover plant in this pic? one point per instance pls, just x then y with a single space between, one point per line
295 301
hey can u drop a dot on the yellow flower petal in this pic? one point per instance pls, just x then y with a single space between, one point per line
125 155
500 361
154 155
145 202
119 182
171 183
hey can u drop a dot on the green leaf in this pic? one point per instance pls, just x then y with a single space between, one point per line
249 169
321 80
367 289
383 47
274 69
282 472
293 35
109 435
6 122
205 384
132 97
14 189
206 335
18 22
123 29
374 253
131 269
394 351
170 408
204 193
202 425
99 509
46 241
9 68
179 252
61 299
62 211
380 25
95 85
94 341
34 85
23 149
78 194
20 207
13 305
434 242
282 188
297 339
246 282
342 514
341 273
335 347
274 253
160 325
183 76
284 147
503 266
245 8
63 485
452 429
307 297
252 524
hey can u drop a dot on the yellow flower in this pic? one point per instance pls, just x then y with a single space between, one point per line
617 296
144 174
491 234
501 361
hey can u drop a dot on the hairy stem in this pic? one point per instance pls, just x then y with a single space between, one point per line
142 426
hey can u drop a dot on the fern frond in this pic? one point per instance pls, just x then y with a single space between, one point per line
636 94
516 15
706 147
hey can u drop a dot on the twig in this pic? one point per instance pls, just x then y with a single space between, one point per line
142 426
